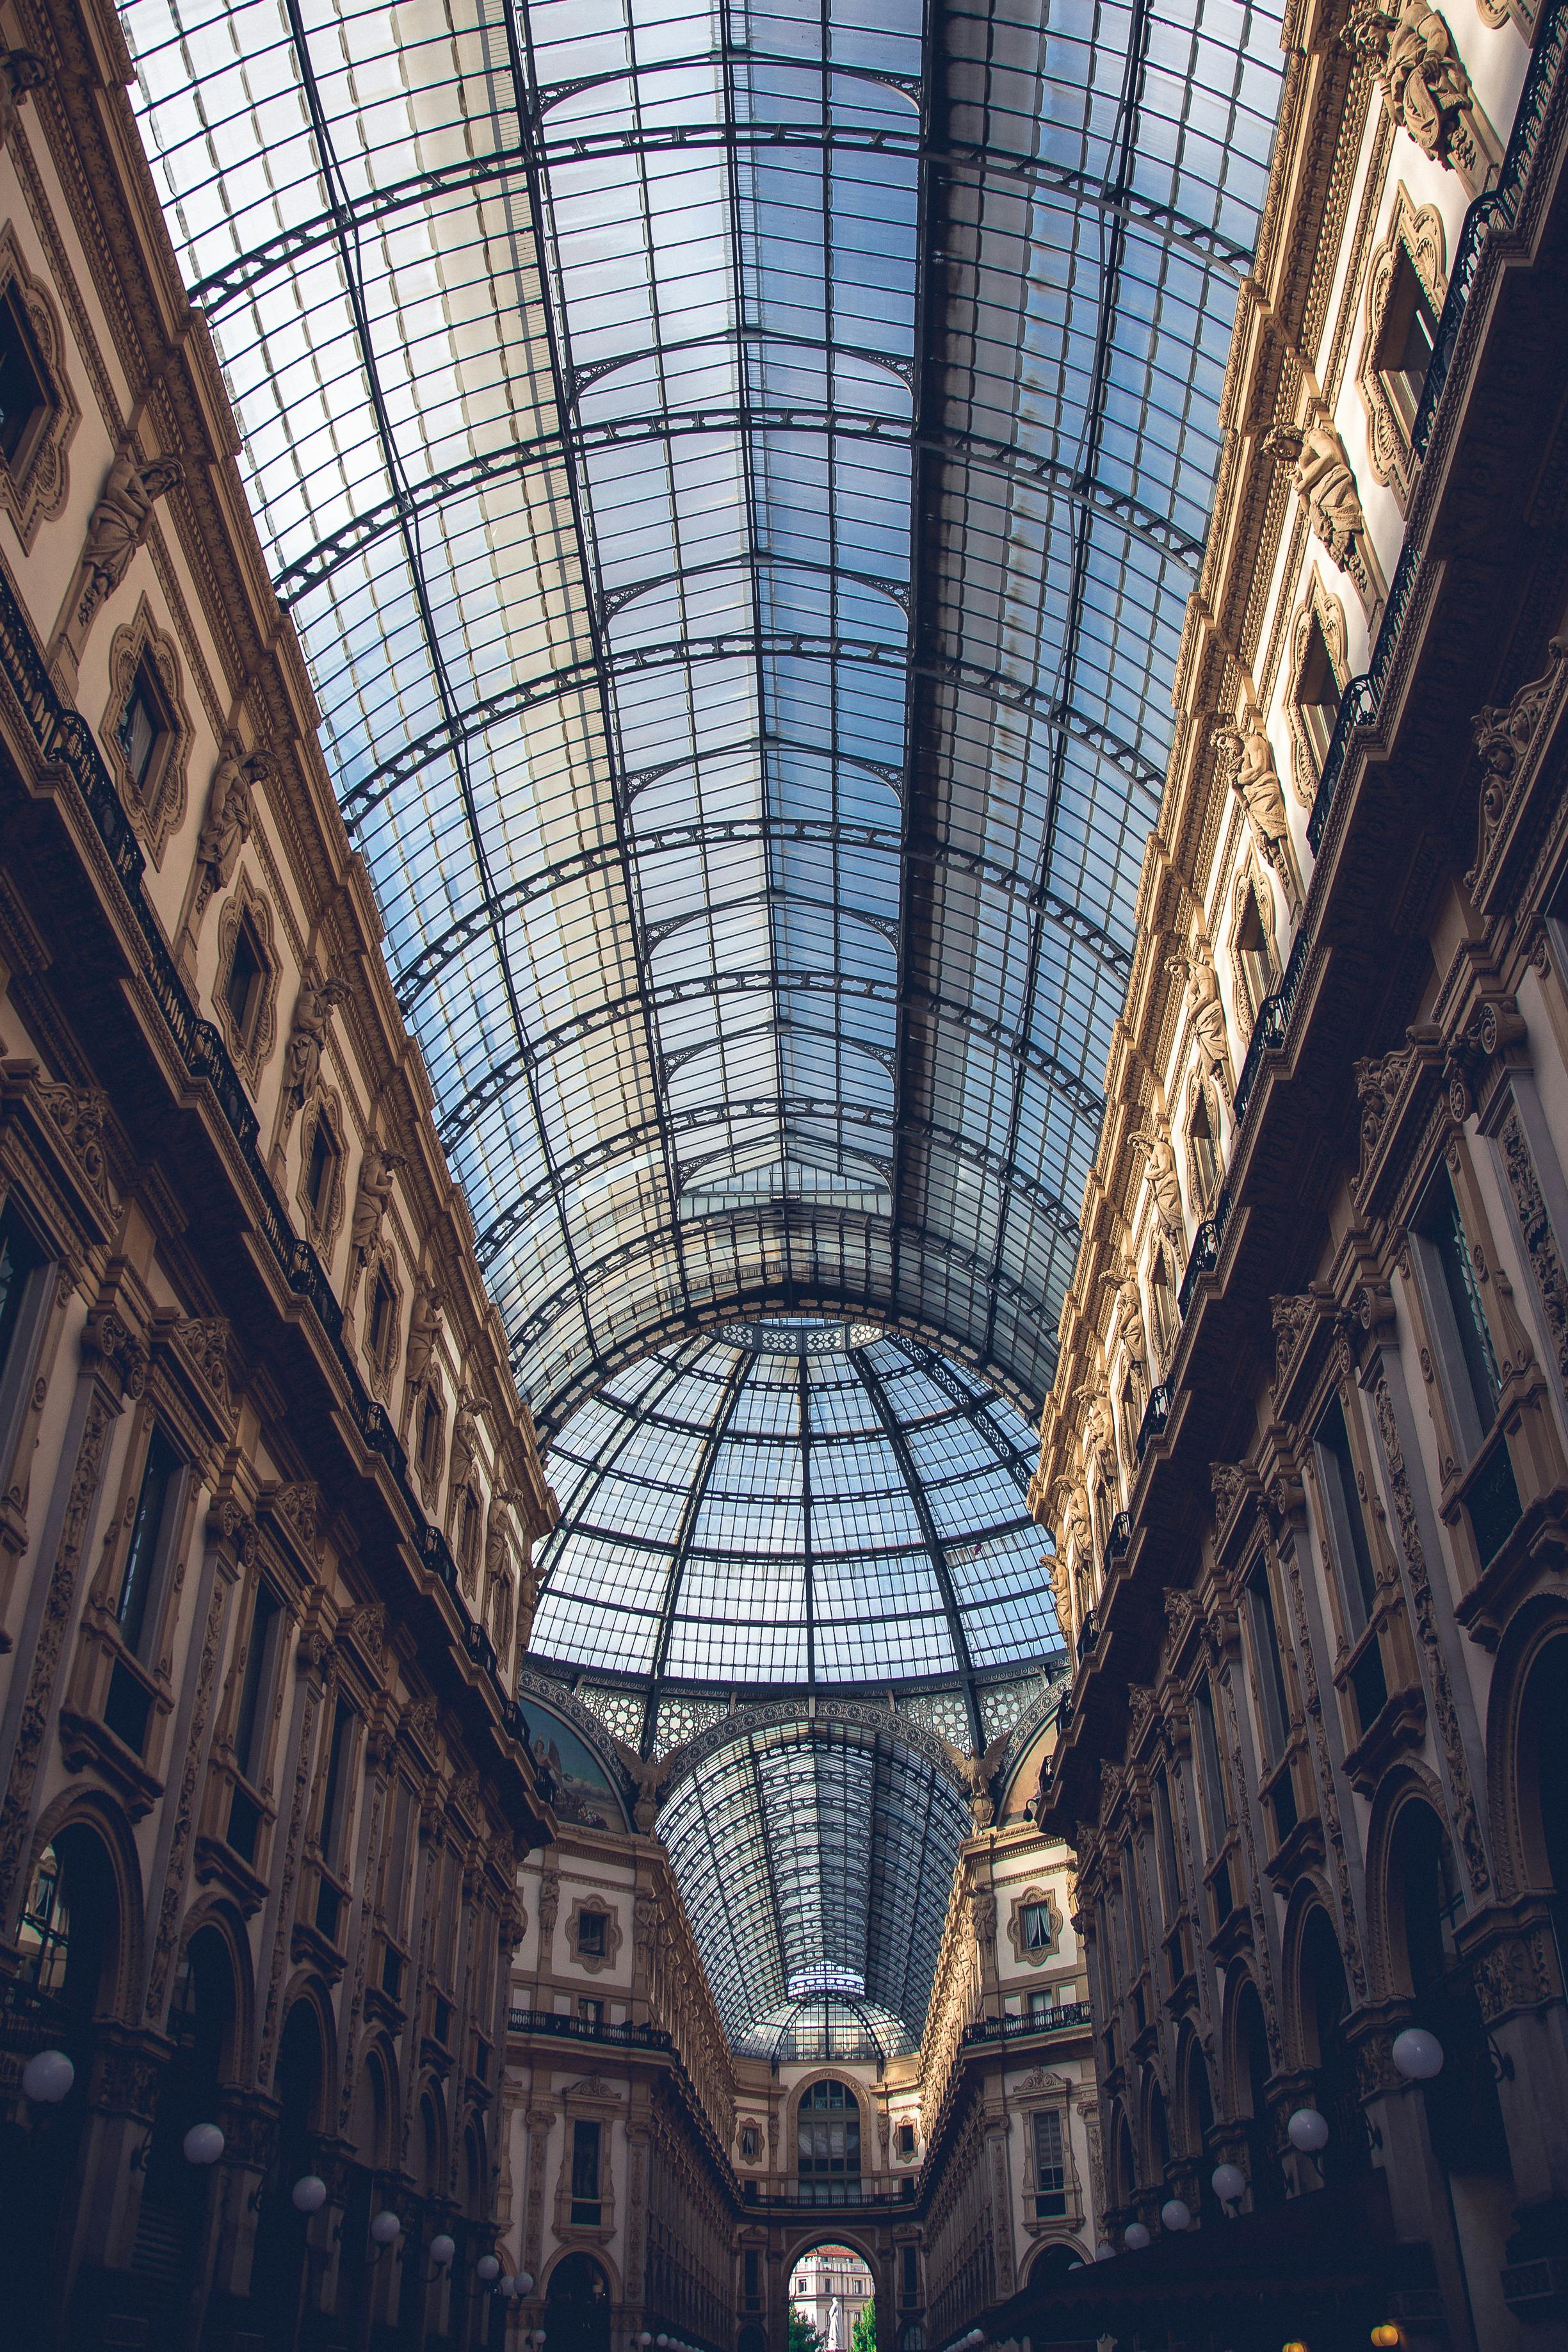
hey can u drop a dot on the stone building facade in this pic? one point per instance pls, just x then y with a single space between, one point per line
267 1492
1304 1455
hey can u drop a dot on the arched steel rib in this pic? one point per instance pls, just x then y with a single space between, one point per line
587 441
771 1108
593 674
1208 249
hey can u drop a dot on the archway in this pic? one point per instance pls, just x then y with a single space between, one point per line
283 2231
1251 2072
1050 2267
832 2299
576 2305
1541 1781
175 2193
68 1944
1323 2006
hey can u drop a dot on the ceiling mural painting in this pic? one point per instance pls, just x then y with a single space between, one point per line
737 475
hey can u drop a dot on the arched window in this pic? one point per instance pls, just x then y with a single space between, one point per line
1255 2068
1462 2107
1324 2003
1162 1303
827 2132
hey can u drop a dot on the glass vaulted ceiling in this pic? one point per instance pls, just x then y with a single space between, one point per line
795 1505
736 473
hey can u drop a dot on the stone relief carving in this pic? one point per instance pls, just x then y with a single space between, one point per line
1323 479
230 818
20 72
79 1114
1292 1314
1502 737
1249 759
1195 965
424 1317
372 1194
1164 1183
978 1777
1424 82
1130 1327
314 1006
119 524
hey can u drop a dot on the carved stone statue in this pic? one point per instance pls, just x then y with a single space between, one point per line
464 1441
313 1009
1073 1527
1163 1181
496 1531
231 814
1422 75
1099 1440
528 1599
1204 1010
1133 1337
120 522
377 1170
978 1775
20 71
1255 781
649 1778
423 1332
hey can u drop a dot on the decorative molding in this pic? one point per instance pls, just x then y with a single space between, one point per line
35 485
157 805
1416 234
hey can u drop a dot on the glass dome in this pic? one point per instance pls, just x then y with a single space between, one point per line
794 1504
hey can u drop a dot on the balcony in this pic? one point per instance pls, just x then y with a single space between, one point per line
1067 2017
567 2028
837 2194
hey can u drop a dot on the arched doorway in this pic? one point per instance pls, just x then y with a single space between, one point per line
832 2300
1253 2070
175 2192
1324 2005
577 2306
68 1948
283 2231
1050 2266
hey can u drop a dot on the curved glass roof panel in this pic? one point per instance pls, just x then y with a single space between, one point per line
813 1858
736 473
794 1504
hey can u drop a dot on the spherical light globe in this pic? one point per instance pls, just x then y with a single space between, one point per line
1229 2183
645 2340
308 2193
1385 2333
385 2226
1105 2253
1134 2237
442 2249
508 2286
1308 2130
1417 2053
203 2144
523 2281
1073 2267
1175 2214
486 2268
660 2341
48 2076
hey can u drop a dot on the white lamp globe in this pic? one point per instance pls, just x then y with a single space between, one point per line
1134 2237
538 2335
1104 2253
1308 2130
48 2076
203 2144
523 2281
385 2226
486 2268
508 2286
1175 2214
660 2341
1229 2183
1417 2053
644 2339
442 2249
1075 2266
308 2193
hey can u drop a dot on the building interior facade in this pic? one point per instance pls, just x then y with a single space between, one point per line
784 1175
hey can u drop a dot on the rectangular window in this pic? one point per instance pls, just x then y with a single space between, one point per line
321 1176
1348 1546
911 2280
592 2012
1318 693
1036 1923
394 1886
906 2139
1131 1904
144 728
335 1802
1467 1341
1270 1663
25 401
429 1436
384 1315
1049 2166
255 1697
1214 1803
1165 1830
591 1926
20 1261
1404 343
585 2192
752 2279
143 1559
245 981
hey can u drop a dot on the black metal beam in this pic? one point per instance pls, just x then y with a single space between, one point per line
1208 249
495 1083
585 441
596 674
662 841
773 1109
